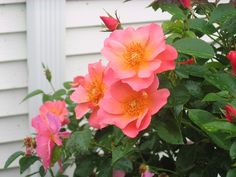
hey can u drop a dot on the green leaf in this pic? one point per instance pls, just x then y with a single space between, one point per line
220 125
219 96
232 151
47 97
174 10
194 47
67 85
105 168
85 166
173 27
124 164
56 154
193 70
194 88
223 81
186 158
42 172
222 12
34 93
201 25
231 173
169 130
230 25
79 141
179 96
13 157
201 118
189 34
120 152
26 162
59 93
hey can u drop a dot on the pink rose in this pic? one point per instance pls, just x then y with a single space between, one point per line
136 56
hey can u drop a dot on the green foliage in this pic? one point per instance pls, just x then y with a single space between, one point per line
169 130
79 141
231 173
32 94
222 96
201 25
13 157
120 152
194 47
26 161
223 81
174 10
202 119
221 13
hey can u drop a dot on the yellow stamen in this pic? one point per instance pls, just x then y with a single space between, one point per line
96 91
135 106
134 55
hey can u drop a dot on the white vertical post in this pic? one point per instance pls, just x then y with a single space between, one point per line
45 44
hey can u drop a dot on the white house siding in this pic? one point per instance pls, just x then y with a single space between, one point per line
14 124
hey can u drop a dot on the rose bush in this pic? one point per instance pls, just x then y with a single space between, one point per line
164 105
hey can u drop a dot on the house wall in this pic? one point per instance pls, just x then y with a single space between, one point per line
13 81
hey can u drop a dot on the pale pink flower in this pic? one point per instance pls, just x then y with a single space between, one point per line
48 135
131 110
58 108
136 55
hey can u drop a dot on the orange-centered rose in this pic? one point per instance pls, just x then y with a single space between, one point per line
137 55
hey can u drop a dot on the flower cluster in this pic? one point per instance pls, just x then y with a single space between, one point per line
125 92
48 124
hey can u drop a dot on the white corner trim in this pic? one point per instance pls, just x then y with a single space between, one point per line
45 44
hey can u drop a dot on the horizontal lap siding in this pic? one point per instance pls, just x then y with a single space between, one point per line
84 39
14 123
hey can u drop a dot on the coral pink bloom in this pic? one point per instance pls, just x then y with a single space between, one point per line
131 110
89 94
232 58
135 55
58 108
48 134
186 3
77 81
230 113
110 22
118 173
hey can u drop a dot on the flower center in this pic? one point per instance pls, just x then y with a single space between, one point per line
134 55
96 91
135 106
